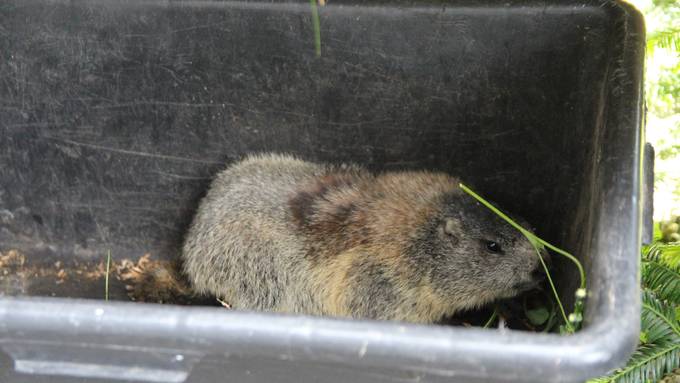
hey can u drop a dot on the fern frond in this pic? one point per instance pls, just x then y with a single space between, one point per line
659 351
658 319
663 279
667 253
649 363
661 271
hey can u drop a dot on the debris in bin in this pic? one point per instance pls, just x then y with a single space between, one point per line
11 259
223 303
142 280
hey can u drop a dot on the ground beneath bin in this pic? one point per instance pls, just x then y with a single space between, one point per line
146 279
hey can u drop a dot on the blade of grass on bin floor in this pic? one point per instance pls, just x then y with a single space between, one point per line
106 277
492 319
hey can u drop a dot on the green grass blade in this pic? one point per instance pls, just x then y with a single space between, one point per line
554 290
492 319
316 25
106 277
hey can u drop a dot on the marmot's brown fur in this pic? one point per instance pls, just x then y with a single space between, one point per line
276 233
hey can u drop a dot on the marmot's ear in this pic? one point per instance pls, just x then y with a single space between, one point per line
451 228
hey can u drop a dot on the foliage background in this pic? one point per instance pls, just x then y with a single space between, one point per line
662 87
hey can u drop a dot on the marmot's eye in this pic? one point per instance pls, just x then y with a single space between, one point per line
493 247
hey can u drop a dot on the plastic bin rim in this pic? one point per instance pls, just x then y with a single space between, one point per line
319 339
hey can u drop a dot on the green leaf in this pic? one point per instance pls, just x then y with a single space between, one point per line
538 316
644 338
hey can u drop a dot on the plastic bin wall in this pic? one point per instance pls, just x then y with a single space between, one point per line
114 115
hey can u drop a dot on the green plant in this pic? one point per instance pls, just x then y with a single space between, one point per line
662 98
492 318
316 27
573 321
658 352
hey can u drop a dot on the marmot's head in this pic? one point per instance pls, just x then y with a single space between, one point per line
472 256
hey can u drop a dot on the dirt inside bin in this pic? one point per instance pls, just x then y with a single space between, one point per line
144 279
147 279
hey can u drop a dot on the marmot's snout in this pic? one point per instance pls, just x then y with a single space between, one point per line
535 279
537 276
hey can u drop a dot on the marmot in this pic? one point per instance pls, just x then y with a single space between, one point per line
276 233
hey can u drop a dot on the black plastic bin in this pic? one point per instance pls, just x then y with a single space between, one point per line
115 114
